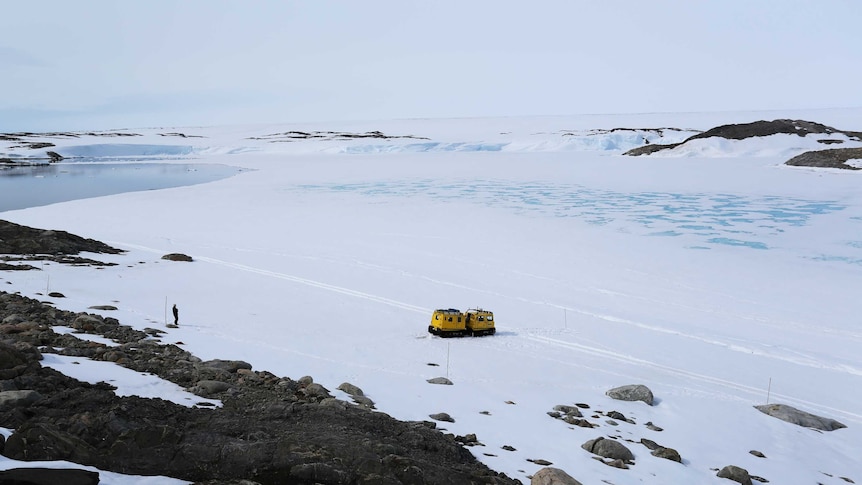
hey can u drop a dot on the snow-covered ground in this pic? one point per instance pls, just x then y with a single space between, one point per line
719 278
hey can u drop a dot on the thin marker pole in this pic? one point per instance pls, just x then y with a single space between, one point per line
768 390
166 311
448 344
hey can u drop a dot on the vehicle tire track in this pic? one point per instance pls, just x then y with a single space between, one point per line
297 279
628 359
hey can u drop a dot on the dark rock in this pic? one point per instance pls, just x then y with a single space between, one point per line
350 389
356 394
834 158
653 427
650 149
668 454
757 454
652 445
741 131
178 257
209 388
56 294
103 307
801 418
226 365
568 410
440 380
48 476
437 417
617 415
17 239
735 473
609 449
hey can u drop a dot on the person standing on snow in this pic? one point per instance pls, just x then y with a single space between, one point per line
176 315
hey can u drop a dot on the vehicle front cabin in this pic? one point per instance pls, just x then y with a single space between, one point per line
480 322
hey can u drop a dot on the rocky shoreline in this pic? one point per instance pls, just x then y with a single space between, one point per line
269 429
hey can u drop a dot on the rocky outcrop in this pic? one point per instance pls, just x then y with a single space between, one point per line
17 239
801 418
834 158
269 429
632 392
741 131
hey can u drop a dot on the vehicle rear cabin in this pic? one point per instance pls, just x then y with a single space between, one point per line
454 323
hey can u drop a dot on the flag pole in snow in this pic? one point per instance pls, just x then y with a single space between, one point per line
166 311
768 390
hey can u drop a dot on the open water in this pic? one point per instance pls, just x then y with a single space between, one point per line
24 187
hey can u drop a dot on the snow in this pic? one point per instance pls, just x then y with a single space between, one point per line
717 276
127 382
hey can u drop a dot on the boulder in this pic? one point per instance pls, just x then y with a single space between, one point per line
609 449
437 417
568 410
552 476
178 257
668 454
735 473
632 392
226 365
350 389
210 387
440 380
103 307
801 418
316 390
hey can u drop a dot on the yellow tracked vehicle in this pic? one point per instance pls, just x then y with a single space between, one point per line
454 323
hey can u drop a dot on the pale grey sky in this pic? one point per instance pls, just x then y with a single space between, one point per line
107 64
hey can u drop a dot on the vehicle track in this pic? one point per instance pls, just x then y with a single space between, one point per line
586 349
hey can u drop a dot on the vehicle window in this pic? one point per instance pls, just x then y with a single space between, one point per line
490 317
